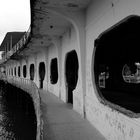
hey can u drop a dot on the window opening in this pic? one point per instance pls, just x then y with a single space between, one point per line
15 71
41 73
54 71
18 71
24 71
117 65
72 66
32 72
12 71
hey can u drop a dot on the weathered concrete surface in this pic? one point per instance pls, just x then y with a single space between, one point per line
111 123
61 122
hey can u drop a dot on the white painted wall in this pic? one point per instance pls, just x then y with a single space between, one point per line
112 124
67 45
41 57
53 53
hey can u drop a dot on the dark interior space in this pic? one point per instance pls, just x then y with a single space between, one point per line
32 71
18 71
19 118
24 71
72 66
41 73
12 71
54 71
15 71
117 64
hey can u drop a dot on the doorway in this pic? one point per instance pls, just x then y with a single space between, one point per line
18 71
41 73
32 72
54 71
24 71
71 68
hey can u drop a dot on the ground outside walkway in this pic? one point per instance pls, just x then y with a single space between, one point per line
61 122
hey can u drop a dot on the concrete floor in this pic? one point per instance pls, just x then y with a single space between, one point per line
61 122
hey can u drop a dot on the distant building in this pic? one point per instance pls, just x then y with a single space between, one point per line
10 39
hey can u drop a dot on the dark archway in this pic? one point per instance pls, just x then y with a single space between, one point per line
18 71
12 71
54 71
15 71
32 71
41 73
24 71
117 64
71 69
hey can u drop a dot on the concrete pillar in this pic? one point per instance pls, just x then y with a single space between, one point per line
36 67
27 68
20 64
46 79
58 43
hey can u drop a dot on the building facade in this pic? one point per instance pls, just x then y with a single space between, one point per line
70 45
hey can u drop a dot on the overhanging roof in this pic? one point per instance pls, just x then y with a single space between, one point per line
14 36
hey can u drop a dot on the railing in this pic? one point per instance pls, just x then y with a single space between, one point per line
20 44
31 88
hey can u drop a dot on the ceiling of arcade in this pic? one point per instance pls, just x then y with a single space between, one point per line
46 24
65 4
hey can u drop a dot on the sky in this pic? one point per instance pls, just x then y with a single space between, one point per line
14 16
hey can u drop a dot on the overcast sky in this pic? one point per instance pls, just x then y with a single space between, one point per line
14 16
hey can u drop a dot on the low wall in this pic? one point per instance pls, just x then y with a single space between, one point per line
29 87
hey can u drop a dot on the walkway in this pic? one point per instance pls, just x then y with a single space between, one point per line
61 122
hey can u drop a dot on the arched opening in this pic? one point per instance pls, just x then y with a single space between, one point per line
9 71
54 71
24 71
41 73
12 71
71 69
18 71
117 65
15 71
32 71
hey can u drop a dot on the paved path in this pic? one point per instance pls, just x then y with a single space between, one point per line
61 122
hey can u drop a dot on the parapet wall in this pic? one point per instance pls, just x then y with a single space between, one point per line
29 87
